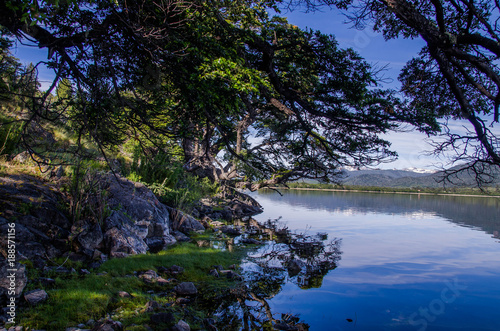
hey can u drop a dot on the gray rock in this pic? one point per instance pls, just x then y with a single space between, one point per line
251 241
91 237
214 273
108 325
123 294
149 276
186 288
152 306
230 230
185 223
17 278
122 241
36 297
182 301
181 326
180 237
22 157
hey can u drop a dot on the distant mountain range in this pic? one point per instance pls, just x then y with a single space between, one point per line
412 178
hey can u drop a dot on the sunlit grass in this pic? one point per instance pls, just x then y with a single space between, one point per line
76 299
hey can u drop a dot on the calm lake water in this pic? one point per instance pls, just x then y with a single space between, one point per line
408 262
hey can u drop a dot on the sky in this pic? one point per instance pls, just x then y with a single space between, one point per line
412 147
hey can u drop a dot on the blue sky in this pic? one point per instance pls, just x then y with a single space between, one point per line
411 146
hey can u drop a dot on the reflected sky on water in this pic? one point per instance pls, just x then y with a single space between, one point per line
409 262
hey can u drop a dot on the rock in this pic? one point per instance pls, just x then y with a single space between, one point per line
186 288
122 240
36 297
182 301
34 204
295 266
7 278
230 230
141 206
162 281
251 241
149 276
218 267
84 272
155 244
180 237
123 294
185 223
108 325
152 306
214 273
181 326
90 238
22 157
162 318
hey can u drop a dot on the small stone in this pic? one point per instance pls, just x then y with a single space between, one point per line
162 281
214 273
218 267
181 326
149 276
84 272
186 288
251 241
152 306
162 318
233 267
35 297
123 294
81 326
182 301
108 325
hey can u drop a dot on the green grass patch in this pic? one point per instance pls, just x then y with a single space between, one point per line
75 299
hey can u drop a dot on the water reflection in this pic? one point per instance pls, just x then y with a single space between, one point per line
290 258
400 253
475 212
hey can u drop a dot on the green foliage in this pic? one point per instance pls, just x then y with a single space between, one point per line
10 133
88 193
168 180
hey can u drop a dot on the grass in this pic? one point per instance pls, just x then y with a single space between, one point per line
75 299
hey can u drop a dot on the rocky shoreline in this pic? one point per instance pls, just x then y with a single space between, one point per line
133 222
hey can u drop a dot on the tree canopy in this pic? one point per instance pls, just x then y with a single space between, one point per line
249 99
455 76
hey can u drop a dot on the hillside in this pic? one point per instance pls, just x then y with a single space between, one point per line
408 179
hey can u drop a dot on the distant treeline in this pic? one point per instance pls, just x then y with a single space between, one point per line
448 190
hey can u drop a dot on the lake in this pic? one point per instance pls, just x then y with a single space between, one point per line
408 262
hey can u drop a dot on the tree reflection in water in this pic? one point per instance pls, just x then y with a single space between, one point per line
290 257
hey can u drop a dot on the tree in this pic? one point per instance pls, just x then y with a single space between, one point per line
214 76
456 74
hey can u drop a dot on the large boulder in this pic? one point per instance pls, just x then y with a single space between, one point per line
34 206
139 221
185 223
